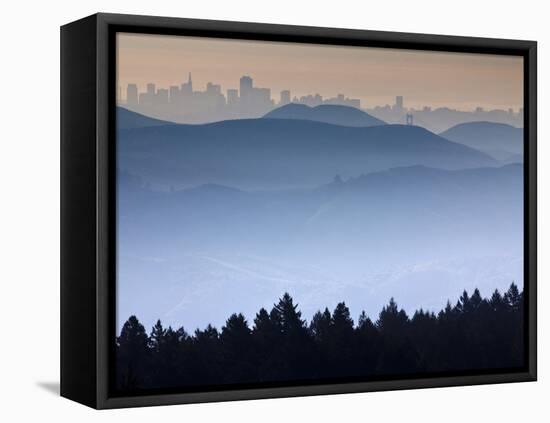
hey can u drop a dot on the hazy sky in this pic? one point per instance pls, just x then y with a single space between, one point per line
374 75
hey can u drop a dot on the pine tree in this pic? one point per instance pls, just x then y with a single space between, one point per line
341 343
262 320
288 315
269 342
132 355
208 335
238 353
496 302
133 334
476 300
297 348
368 346
265 329
320 325
341 318
512 297
463 305
399 354
156 339
447 313
391 319
236 329
363 320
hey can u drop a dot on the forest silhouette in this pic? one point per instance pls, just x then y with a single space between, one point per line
279 346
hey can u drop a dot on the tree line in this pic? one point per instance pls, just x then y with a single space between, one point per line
280 346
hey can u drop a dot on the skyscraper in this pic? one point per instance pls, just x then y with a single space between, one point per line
263 96
187 87
245 94
132 95
232 96
161 96
399 103
245 86
285 97
148 97
174 94
354 102
213 88
213 98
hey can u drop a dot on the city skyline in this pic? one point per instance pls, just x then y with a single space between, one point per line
164 95
374 76
183 103
247 92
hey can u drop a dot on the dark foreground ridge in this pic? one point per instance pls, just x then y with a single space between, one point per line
475 334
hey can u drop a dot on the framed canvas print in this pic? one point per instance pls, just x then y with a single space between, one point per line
256 211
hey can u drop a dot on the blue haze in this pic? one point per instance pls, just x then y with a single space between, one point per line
226 217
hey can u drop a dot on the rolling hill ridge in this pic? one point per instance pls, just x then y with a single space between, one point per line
501 141
327 113
282 153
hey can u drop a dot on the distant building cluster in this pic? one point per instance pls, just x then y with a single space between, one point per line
182 98
184 104
317 100
442 118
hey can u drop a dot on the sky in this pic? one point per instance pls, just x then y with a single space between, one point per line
374 75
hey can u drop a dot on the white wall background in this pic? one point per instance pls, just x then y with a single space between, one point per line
29 231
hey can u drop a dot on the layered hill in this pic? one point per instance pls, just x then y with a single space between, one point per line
127 119
501 141
335 114
382 204
417 234
282 153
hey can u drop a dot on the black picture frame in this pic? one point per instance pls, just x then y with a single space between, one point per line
88 200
